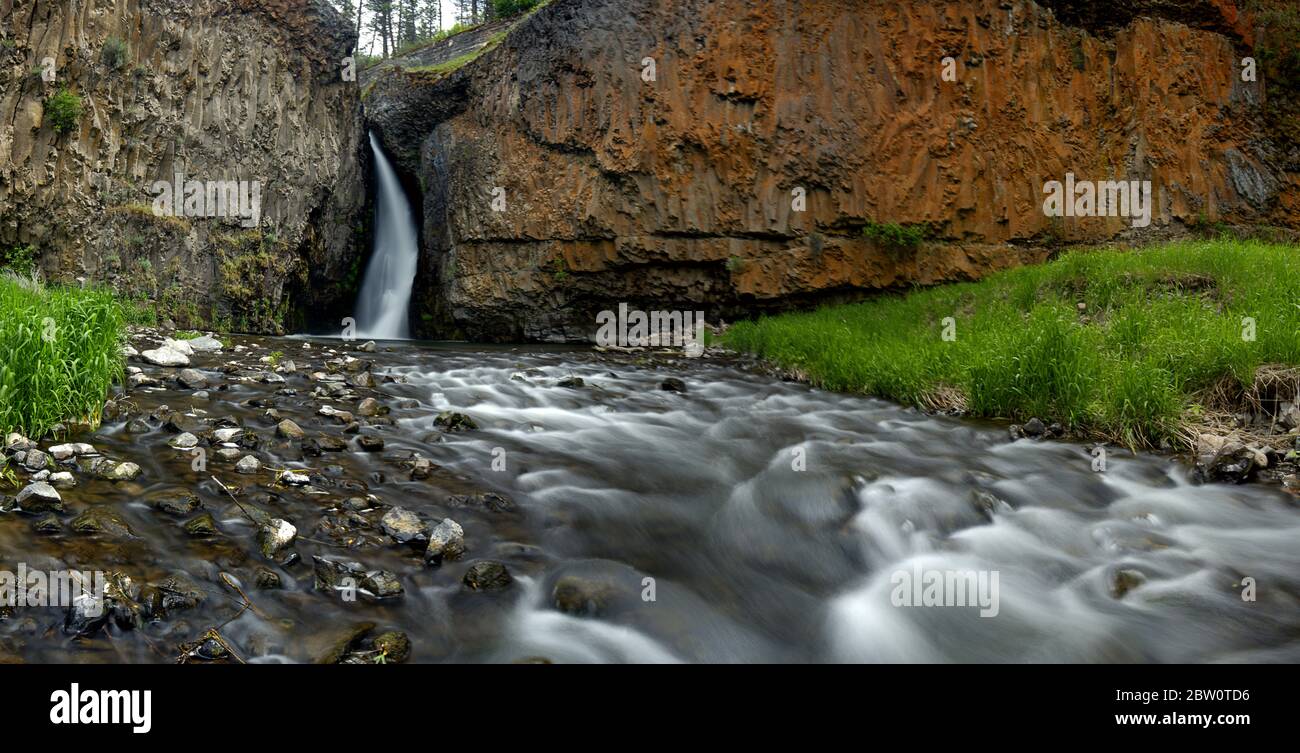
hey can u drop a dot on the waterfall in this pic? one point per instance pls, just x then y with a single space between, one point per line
386 290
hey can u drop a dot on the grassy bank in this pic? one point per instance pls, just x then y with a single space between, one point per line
1162 340
60 350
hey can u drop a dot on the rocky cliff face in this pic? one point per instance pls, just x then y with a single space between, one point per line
217 90
562 174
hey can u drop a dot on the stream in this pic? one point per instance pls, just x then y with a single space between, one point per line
745 519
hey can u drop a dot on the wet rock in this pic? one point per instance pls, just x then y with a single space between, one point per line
186 441
176 504
367 346
363 380
421 467
407 403
47 524
101 519
179 423
137 426
446 542
349 578
191 379
202 527
1226 460
227 434
165 356
672 384
39 497
248 465
174 594
292 478
403 525
572 383
487 575
136 381
1034 428
111 470
267 579
15 442
368 407
1124 580
583 596
338 642
228 453
275 537
328 443
62 480
453 421
394 647
289 430
489 501
369 443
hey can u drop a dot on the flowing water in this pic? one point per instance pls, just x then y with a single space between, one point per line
386 289
617 482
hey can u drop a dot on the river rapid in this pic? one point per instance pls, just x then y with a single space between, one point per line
744 519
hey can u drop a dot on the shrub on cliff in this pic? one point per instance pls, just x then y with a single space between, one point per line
115 53
63 110
60 351
508 8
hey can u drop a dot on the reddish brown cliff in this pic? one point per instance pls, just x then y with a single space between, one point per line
679 189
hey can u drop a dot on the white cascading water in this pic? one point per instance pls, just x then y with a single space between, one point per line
386 290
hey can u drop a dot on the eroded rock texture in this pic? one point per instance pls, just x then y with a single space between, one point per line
677 192
216 89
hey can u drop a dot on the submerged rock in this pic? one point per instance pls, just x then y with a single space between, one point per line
403 525
487 575
102 519
672 384
453 421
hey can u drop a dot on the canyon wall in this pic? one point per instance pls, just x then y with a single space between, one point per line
731 156
243 90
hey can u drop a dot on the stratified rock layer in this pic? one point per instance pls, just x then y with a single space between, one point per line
217 89
678 189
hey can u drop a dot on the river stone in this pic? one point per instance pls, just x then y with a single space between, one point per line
294 479
363 380
63 452
572 383
347 576
226 434
62 480
583 596
248 464
368 407
489 501
165 356
487 575
180 346
186 441
201 527
672 384
205 344
39 497
228 453
110 470
403 525
367 347
328 443
177 504
370 443
266 579
276 536
446 542
289 430
453 421
1034 428
47 524
192 379
137 426
15 442
35 460
101 519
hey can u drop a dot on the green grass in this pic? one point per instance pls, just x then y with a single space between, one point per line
1161 325
60 351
